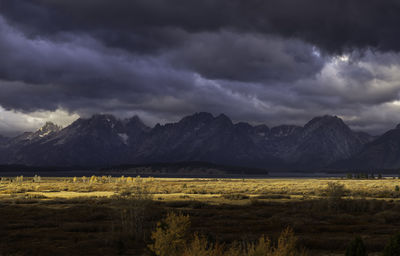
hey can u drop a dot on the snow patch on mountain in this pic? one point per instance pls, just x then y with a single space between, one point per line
124 137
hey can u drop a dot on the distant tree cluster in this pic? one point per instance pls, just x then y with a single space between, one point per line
363 176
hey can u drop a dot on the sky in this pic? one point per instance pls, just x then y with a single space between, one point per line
259 61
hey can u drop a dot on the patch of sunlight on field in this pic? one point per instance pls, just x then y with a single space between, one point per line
71 194
211 190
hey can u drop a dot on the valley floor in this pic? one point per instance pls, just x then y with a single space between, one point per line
116 216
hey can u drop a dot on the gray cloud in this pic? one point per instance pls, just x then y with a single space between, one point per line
246 57
333 25
258 61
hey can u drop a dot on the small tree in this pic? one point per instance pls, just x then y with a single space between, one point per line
170 236
356 248
349 176
36 179
200 246
379 176
287 244
19 179
93 179
392 248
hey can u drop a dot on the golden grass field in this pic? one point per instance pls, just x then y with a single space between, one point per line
88 215
195 188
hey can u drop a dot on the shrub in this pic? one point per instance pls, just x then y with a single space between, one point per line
335 190
356 248
392 248
261 248
171 238
93 179
287 244
36 179
200 246
170 235
19 179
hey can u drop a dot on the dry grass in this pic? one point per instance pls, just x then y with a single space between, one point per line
104 215
173 188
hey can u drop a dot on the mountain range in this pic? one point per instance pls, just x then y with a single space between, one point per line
104 140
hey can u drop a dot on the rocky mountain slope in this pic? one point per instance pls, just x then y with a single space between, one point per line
384 152
105 140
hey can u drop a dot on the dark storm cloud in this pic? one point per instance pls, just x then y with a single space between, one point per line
77 69
247 57
334 25
72 72
260 61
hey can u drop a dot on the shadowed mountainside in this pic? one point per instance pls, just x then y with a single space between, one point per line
104 140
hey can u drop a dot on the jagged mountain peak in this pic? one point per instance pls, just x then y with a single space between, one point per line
134 118
224 118
47 129
135 123
205 117
50 127
103 138
327 122
324 120
97 121
198 117
103 117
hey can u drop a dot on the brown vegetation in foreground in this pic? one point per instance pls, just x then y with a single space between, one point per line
119 216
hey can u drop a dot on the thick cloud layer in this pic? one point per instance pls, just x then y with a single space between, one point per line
267 62
334 25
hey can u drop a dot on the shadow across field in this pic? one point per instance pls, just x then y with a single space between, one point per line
324 218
